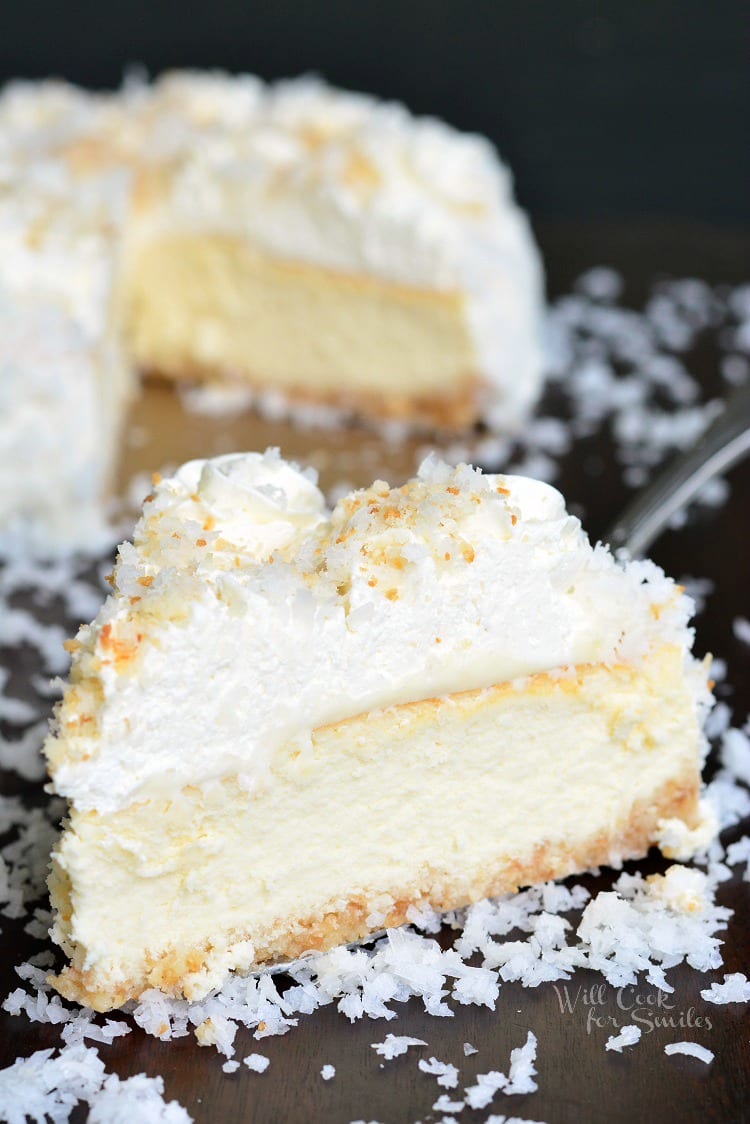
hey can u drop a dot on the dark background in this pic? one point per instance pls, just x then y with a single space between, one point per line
602 109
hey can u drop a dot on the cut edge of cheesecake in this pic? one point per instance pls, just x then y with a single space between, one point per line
648 775
362 345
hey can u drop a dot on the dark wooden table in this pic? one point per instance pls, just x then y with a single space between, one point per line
579 1081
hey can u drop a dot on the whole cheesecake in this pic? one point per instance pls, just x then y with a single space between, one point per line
289 725
308 244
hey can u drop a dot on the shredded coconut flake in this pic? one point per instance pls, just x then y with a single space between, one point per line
734 989
522 1070
628 1036
479 1095
495 1119
395 1045
691 1050
258 1063
446 1074
520 1078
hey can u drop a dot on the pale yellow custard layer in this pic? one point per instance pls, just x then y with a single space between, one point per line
443 802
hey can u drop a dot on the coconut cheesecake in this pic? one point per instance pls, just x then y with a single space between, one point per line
306 243
288 725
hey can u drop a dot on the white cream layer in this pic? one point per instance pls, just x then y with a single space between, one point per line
259 616
63 379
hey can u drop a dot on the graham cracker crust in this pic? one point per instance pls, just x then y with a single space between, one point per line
454 410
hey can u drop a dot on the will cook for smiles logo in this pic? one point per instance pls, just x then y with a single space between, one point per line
608 1008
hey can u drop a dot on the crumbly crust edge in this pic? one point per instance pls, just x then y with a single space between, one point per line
453 411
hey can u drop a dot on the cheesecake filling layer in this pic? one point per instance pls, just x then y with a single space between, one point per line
373 815
217 305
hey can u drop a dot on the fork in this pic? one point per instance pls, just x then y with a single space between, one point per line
725 442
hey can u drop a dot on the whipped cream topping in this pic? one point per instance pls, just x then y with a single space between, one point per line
253 636
260 501
63 377
56 431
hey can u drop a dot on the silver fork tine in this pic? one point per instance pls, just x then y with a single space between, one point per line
726 441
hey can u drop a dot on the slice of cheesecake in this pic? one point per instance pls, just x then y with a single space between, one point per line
288 725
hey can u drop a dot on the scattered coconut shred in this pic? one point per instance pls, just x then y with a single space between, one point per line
628 1036
691 1050
614 367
